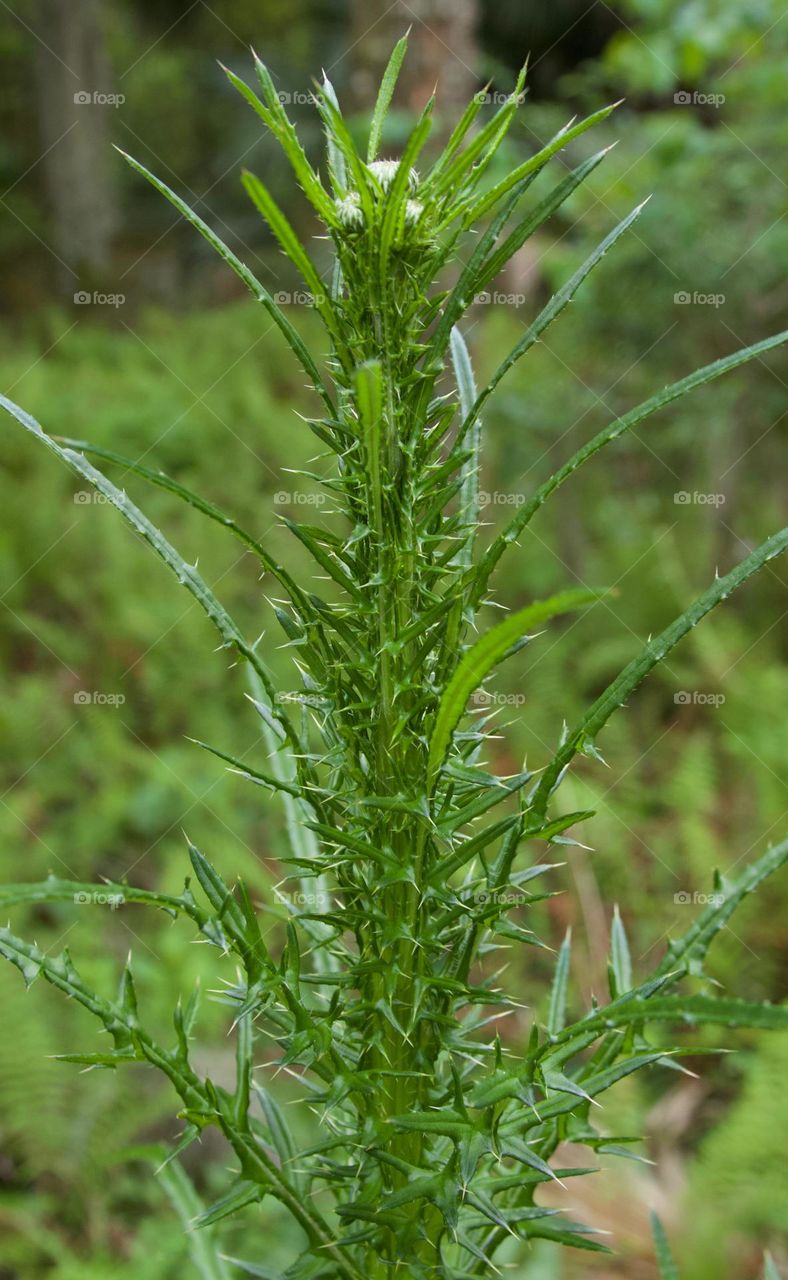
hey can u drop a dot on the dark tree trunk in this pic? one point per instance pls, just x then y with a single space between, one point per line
442 51
74 79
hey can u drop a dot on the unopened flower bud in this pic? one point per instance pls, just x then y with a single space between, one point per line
413 211
385 172
350 212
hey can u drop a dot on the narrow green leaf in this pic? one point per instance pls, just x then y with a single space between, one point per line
619 690
549 313
424 1188
276 119
479 660
385 95
184 1020
457 136
447 174
278 1129
612 432
254 1269
397 196
770 1271
520 1150
482 803
497 1183
619 955
345 161
127 995
214 513
105 893
444 1122
327 560
267 206
187 1204
559 1083
667 1268
216 891
692 947
463 294
243 1194
596 1083
555 828
537 161
535 219
469 491
335 145
258 290
570 1234
699 1011
556 1017
186 574
109 1060
369 401
247 771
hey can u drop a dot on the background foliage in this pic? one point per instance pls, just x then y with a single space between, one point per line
105 789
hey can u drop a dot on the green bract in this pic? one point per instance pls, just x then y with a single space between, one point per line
435 1141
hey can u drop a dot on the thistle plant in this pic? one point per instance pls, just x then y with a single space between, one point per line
433 1138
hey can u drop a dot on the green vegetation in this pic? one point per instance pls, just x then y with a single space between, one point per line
436 1138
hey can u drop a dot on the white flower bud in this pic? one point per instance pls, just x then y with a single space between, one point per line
350 212
385 172
413 211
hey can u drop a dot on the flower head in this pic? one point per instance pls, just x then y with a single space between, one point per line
350 212
385 171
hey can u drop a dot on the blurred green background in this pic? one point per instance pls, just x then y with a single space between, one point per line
119 326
